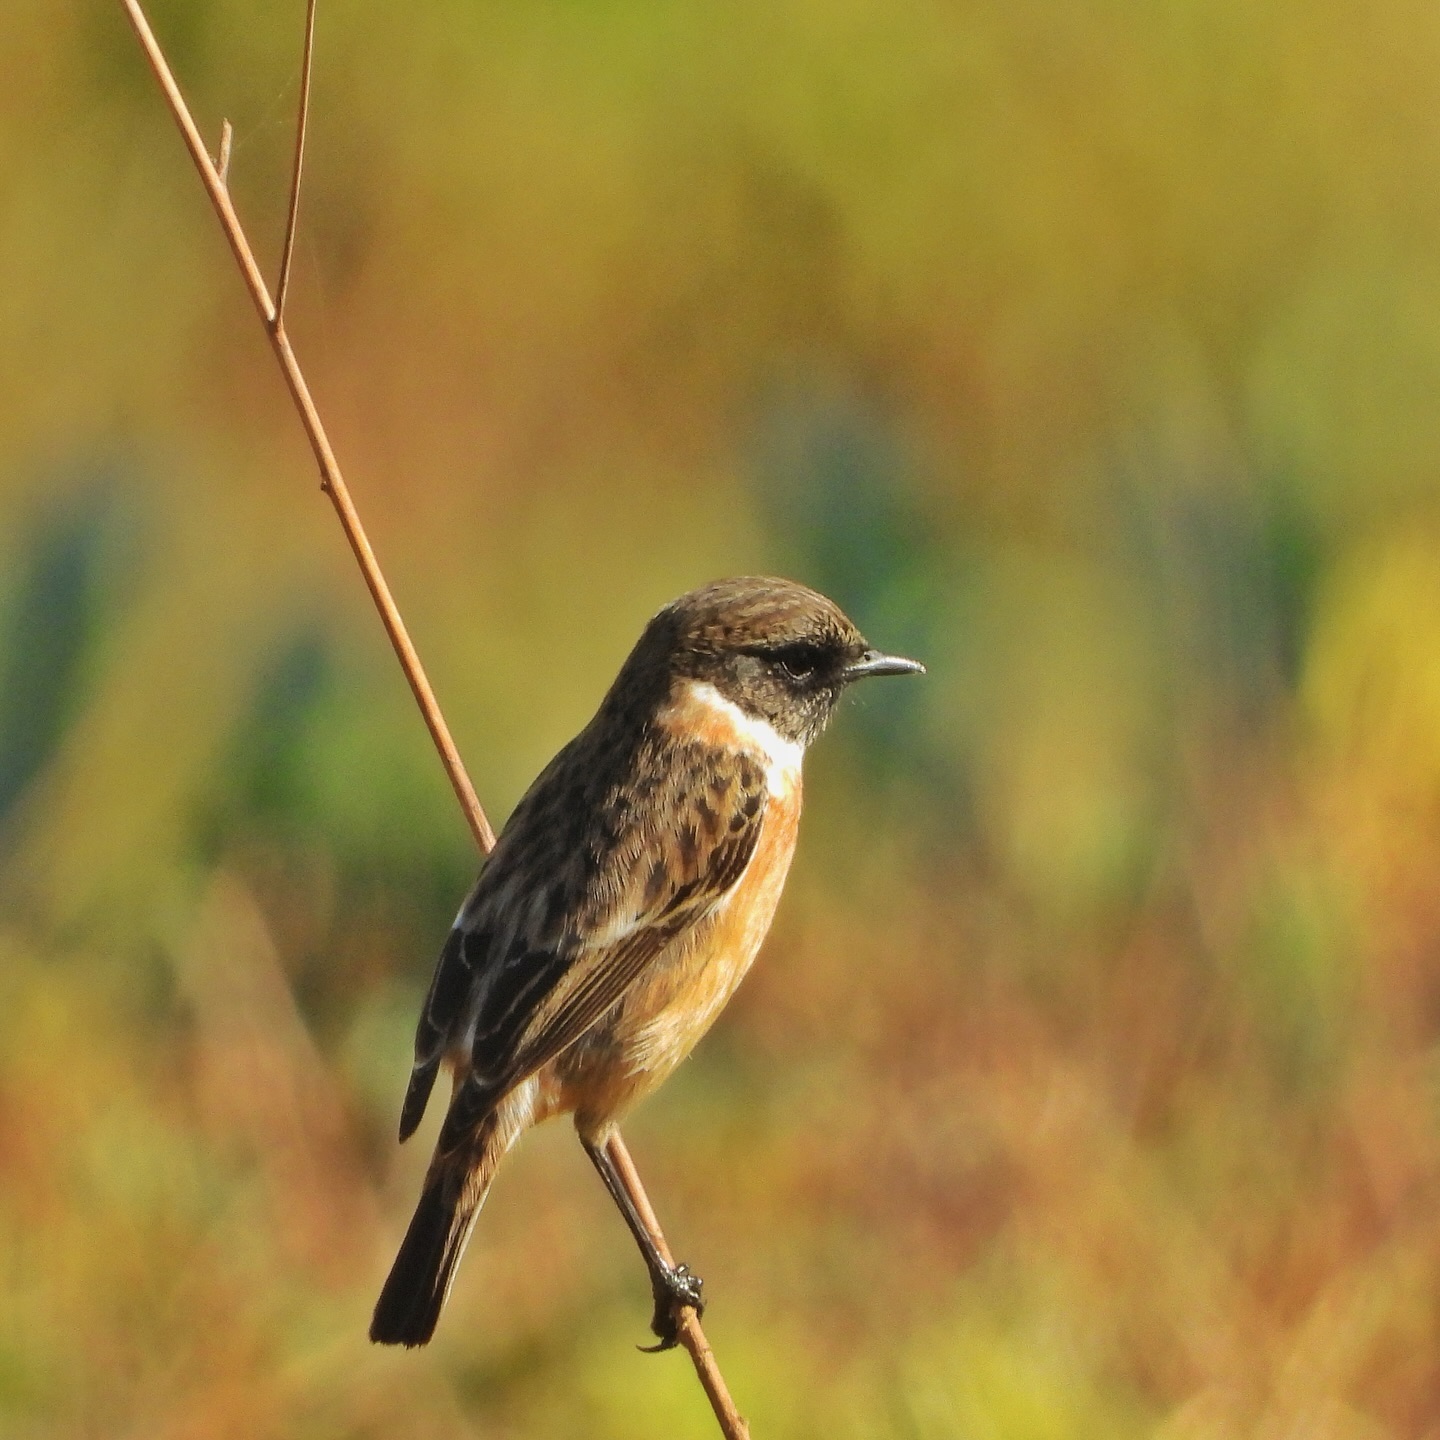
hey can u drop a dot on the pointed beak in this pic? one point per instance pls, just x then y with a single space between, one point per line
872 662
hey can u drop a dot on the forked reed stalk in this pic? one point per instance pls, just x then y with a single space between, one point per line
214 176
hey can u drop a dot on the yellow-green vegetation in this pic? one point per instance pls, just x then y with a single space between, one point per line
1088 1085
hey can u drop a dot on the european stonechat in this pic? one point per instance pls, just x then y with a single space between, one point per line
622 905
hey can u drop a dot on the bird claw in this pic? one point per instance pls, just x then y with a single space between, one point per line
675 1289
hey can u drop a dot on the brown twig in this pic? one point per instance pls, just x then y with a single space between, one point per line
331 480
214 177
302 117
692 1337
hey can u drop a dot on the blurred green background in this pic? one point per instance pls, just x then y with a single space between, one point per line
1088 1085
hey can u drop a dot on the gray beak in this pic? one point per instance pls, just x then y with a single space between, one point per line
872 662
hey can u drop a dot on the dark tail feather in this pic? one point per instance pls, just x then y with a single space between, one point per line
419 1280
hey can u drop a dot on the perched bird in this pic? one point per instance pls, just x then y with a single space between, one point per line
622 905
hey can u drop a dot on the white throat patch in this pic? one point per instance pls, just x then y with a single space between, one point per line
782 756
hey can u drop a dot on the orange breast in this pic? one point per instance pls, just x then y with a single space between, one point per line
667 1011
739 927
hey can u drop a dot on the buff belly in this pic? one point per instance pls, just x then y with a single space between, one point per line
660 1020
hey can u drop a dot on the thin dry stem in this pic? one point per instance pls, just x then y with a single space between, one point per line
692 1337
302 117
331 479
213 176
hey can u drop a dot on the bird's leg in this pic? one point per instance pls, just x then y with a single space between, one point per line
673 1286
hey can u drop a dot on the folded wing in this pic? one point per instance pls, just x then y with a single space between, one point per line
555 933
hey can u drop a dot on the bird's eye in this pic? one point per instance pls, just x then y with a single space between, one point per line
799 662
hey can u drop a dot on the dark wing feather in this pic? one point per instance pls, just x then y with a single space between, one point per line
449 988
568 927
612 970
607 982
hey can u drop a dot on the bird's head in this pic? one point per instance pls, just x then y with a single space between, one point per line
781 652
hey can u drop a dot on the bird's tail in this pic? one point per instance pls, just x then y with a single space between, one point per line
420 1279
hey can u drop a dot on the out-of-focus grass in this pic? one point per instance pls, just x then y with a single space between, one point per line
1088 1084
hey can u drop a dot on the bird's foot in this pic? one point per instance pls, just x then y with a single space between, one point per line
675 1289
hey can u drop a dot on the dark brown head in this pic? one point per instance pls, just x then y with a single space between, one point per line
781 652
